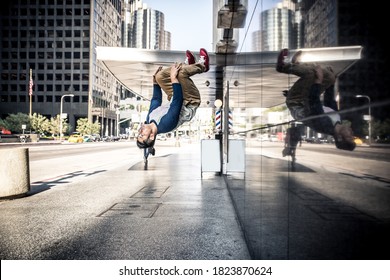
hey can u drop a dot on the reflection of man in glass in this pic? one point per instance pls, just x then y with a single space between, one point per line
303 99
293 136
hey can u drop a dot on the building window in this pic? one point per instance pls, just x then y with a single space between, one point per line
22 98
76 99
67 76
3 98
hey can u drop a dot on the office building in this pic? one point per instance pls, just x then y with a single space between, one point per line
56 40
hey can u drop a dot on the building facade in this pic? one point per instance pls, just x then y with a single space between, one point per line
146 28
279 28
331 23
55 40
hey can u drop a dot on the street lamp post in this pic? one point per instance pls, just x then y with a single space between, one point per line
62 98
369 115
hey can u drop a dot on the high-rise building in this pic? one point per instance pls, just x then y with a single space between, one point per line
279 28
145 27
56 40
330 23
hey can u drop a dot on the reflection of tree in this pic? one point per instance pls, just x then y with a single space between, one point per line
380 129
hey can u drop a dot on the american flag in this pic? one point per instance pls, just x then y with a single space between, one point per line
30 89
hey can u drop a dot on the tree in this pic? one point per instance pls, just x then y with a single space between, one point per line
39 123
381 129
15 121
84 127
54 126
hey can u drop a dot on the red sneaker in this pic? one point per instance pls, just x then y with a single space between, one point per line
204 58
190 59
281 59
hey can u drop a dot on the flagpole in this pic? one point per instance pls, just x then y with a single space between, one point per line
30 91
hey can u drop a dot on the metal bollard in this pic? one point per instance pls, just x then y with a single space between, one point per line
14 172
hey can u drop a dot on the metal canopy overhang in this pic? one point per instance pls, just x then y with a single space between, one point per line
252 78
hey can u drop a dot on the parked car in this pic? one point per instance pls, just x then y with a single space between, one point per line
87 138
75 138
358 141
95 137
161 137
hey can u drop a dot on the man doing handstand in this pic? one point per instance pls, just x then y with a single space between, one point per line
183 95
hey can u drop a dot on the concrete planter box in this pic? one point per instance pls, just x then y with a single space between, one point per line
14 172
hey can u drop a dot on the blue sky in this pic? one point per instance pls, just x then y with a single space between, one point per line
190 21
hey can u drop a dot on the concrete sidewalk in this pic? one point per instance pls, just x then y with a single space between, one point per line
165 212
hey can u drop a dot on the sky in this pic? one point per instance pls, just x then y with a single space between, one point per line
190 21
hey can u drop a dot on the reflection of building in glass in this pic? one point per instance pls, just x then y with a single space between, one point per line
330 23
57 40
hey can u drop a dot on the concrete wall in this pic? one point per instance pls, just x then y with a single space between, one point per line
14 172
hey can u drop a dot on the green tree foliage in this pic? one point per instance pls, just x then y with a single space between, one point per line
3 124
39 123
54 126
380 129
86 128
14 122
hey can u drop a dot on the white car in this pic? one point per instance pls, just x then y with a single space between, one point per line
161 137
